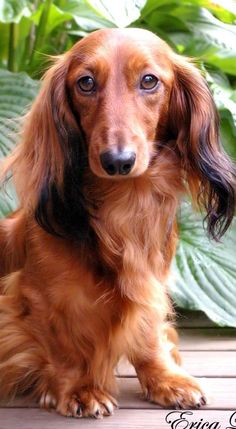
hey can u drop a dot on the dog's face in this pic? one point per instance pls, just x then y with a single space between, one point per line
120 83
107 107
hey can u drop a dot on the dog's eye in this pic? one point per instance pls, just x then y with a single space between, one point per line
149 81
86 84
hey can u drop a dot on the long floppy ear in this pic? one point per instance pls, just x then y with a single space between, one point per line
51 157
194 123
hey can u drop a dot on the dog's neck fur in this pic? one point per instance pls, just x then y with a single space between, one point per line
135 223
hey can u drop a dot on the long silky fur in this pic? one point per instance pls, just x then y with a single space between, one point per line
210 173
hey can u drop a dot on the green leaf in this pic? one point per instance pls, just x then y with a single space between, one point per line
152 5
211 39
205 272
203 34
17 91
228 133
8 200
121 13
223 95
84 16
56 17
225 11
91 15
13 10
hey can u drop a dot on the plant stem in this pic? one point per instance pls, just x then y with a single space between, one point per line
41 30
12 48
29 42
28 48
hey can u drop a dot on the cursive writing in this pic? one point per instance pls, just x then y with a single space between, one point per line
183 420
232 421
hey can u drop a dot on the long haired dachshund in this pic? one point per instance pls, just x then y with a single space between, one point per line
120 130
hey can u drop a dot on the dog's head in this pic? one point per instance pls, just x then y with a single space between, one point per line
120 83
107 105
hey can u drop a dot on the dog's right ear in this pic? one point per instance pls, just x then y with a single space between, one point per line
194 123
50 153
44 138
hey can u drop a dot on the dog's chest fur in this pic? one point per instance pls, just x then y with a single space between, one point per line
133 224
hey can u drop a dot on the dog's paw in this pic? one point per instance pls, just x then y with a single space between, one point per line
87 402
176 391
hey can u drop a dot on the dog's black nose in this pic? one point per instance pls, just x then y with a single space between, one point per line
120 162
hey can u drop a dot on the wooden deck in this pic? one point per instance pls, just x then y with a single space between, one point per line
208 353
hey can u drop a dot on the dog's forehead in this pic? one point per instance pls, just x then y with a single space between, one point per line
124 35
131 47
112 39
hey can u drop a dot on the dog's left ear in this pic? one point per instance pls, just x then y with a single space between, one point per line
194 123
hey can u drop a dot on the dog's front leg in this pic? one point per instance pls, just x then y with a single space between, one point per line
163 381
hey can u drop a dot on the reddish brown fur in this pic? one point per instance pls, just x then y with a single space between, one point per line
70 310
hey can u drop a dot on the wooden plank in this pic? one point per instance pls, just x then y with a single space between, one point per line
122 419
198 363
221 392
207 339
210 363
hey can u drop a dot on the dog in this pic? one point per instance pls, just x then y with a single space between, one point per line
121 129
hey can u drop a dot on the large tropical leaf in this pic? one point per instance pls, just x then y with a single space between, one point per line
223 96
198 32
91 15
228 134
13 10
225 11
85 17
121 13
205 273
211 39
8 200
16 94
223 93
56 17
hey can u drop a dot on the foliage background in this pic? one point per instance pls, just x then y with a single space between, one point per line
205 272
